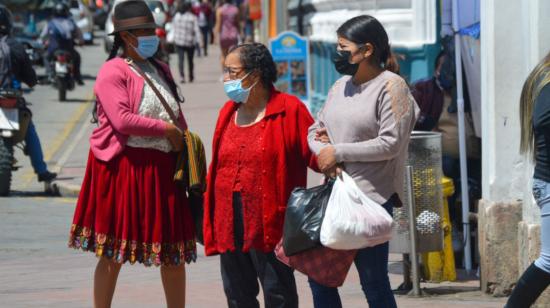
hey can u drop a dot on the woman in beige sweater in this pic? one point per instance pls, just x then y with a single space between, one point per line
364 128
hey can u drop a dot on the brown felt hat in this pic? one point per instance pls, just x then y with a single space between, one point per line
132 15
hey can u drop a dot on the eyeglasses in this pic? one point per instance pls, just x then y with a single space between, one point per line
232 72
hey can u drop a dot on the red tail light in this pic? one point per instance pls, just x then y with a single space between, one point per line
160 33
62 58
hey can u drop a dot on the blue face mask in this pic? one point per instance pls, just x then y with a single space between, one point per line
235 91
147 45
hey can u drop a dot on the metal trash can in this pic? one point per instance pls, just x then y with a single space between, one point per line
425 157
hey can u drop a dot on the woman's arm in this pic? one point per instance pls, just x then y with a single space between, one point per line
316 144
397 115
218 26
305 121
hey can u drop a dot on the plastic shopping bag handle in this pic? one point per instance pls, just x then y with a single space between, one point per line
350 186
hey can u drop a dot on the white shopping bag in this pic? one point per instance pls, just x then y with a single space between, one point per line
352 220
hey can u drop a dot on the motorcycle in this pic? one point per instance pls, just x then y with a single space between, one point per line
63 73
15 118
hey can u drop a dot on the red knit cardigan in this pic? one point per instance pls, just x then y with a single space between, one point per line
286 125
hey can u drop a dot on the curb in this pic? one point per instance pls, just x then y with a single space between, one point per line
65 189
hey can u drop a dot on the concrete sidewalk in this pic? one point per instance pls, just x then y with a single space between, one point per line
203 99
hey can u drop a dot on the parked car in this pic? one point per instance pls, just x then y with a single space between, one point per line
160 13
84 19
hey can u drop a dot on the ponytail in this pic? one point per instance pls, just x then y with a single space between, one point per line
391 64
117 43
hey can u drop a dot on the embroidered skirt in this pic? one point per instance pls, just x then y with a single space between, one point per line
130 209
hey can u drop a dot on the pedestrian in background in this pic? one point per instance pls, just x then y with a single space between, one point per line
195 9
204 14
247 23
260 154
369 115
535 142
130 208
186 35
227 27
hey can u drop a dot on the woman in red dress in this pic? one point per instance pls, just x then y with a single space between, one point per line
260 154
129 208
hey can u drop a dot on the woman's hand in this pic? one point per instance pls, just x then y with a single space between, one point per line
175 136
327 159
333 172
321 135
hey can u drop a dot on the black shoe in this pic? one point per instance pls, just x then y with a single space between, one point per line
191 79
80 82
182 80
47 176
528 288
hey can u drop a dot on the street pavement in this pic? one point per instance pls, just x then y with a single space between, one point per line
38 270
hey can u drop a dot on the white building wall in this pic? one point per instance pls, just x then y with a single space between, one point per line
409 23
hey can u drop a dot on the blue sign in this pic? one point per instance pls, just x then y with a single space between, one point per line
291 54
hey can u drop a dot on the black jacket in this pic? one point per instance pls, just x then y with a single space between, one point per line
541 127
21 65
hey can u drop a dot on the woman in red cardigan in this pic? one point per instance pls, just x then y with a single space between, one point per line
260 153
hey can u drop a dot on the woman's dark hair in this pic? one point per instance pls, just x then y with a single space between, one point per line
255 56
117 44
365 29
184 7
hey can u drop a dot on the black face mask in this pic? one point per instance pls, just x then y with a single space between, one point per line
342 65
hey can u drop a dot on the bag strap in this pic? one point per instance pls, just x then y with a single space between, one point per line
157 92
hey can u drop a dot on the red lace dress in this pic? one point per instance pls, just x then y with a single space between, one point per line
239 170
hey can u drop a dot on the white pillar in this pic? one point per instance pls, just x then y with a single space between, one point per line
502 75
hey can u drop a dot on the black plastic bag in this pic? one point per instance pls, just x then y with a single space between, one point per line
196 201
303 218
